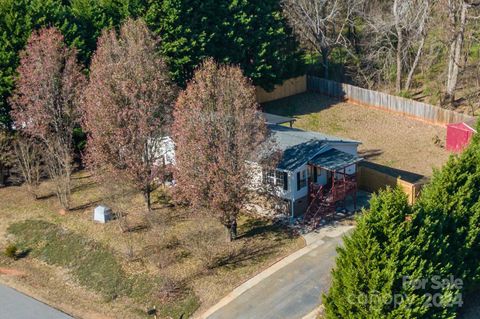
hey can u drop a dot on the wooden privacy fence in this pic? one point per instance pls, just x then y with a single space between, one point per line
287 88
357 95
373 177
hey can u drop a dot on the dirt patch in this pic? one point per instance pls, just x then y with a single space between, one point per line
11 272
387 138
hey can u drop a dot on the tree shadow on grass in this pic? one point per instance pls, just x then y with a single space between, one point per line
85 206
244 254
23 254
300 104
83 187
264 228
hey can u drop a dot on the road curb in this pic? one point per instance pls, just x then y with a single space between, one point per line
313 241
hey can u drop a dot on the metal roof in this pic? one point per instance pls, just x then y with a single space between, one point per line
298 147
472 123
277 119
334 160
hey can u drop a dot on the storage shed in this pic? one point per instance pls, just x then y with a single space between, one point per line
459 135
102 214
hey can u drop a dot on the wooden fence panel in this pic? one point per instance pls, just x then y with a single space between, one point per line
357 95
372 180
289 87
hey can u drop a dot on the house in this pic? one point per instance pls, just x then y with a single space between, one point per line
314 172
459 135
314 168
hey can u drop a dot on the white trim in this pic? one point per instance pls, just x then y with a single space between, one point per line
473 129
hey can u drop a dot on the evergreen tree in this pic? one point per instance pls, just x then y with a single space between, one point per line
448 218
249 33
368 278
438 239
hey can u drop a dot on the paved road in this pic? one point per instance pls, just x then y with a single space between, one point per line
292 292
15 305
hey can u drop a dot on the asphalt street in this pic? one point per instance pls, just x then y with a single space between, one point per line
290 293
15 305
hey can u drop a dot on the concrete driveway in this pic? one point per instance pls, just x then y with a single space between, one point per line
291 291
15 305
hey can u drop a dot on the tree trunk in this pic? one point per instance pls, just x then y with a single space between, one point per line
231 231
148 199
325 53
408 82
228 233
423 31
456 46
398 28
2 175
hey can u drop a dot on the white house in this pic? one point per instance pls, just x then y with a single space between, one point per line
311 163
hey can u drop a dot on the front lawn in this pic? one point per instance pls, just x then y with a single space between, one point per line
174 259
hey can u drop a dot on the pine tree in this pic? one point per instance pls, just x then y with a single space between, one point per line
437 239
368 272
447 220
251 34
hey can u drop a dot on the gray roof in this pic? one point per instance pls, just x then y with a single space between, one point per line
472 123
298 146
277 119
334 160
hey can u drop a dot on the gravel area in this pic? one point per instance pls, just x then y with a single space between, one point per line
387 138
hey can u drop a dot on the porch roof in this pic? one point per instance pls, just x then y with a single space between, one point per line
334 160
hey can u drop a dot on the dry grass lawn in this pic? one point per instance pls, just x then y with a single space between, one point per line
388 139
181 256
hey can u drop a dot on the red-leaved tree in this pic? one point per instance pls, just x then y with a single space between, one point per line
217 128
127 108
45 103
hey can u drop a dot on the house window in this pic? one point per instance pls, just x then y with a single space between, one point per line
268 176
275 178
301 179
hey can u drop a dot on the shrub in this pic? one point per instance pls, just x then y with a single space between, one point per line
11 251
440 238
373 262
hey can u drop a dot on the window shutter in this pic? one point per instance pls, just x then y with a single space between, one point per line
285 181
298 181
315 174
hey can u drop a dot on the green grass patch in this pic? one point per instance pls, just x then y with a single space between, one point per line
95 266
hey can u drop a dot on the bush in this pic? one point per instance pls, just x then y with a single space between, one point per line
11 251
373 261
439 237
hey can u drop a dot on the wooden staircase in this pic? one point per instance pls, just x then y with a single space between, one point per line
322 205
323 200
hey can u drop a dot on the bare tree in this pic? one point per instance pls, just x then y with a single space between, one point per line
395 35
127 108
457 11
217 128
27 153
45 103
321 24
